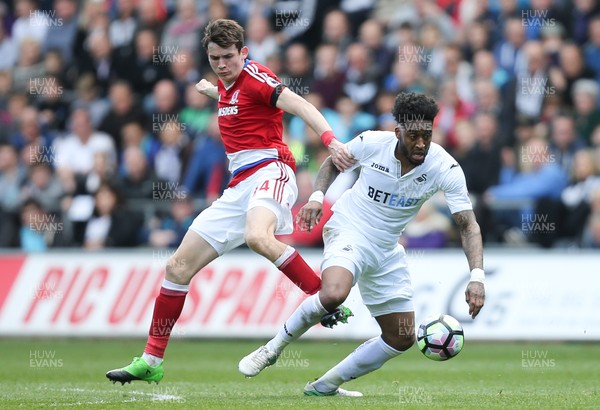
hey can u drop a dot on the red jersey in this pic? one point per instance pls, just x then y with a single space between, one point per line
250 123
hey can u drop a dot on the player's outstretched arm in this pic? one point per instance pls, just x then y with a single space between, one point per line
310 214
472 244
207 88
291 102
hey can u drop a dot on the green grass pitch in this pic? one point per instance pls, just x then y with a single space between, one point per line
203 374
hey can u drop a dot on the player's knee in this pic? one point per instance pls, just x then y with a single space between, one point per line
399 341
177 271
257 241
333 295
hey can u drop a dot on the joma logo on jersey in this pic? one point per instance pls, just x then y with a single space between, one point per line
380 167
223 111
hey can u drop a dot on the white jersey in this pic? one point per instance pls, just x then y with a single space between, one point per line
382 201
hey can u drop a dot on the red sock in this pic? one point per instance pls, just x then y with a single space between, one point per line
296 268
167 308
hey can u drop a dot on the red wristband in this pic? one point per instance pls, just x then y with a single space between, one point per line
327 137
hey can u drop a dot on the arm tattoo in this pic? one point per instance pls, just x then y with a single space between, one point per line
470 235
327 173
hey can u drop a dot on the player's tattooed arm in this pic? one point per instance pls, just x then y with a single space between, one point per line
310 214
327 174
470 235
207 88
472 244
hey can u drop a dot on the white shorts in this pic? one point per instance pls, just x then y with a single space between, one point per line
382 274
222 224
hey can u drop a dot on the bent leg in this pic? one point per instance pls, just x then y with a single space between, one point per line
259 234
307 315
397 335
337 283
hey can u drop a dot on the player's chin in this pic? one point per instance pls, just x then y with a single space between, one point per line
417 159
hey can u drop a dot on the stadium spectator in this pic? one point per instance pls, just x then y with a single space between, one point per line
43 186
484 68
197 112
62 32
591 233
508 50
430 229
146 64
31 137
183 70
39 229
452 109
164 104
74 161
476 39
586 95
133 134
168 162
260 39
572 68
420 12
353 121
371 35
123 110
12 176
111 225
297 74
87 96
31 23
205 176
361 79
122 28
8 49
583 12
336 31
591 49
151 16
137 179
168 232
541 177
99 60
564 142
328 78
29 66
183 30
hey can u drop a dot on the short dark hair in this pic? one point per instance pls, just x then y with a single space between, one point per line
414 107
224 33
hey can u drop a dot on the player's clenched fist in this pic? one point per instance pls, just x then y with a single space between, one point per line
206 87
309 215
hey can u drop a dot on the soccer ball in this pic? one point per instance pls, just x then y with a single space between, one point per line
440 337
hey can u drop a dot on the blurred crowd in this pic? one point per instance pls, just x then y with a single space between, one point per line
104 141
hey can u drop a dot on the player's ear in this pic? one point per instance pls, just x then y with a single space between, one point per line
398 131
244 52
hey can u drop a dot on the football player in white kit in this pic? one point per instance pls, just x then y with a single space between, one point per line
399 171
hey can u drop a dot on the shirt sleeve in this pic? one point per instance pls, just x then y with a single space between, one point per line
454 186
356 148
265 85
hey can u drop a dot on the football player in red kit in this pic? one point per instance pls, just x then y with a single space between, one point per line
257 204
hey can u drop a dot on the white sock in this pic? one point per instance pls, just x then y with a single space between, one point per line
151 359
289 251
369 356
304 317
